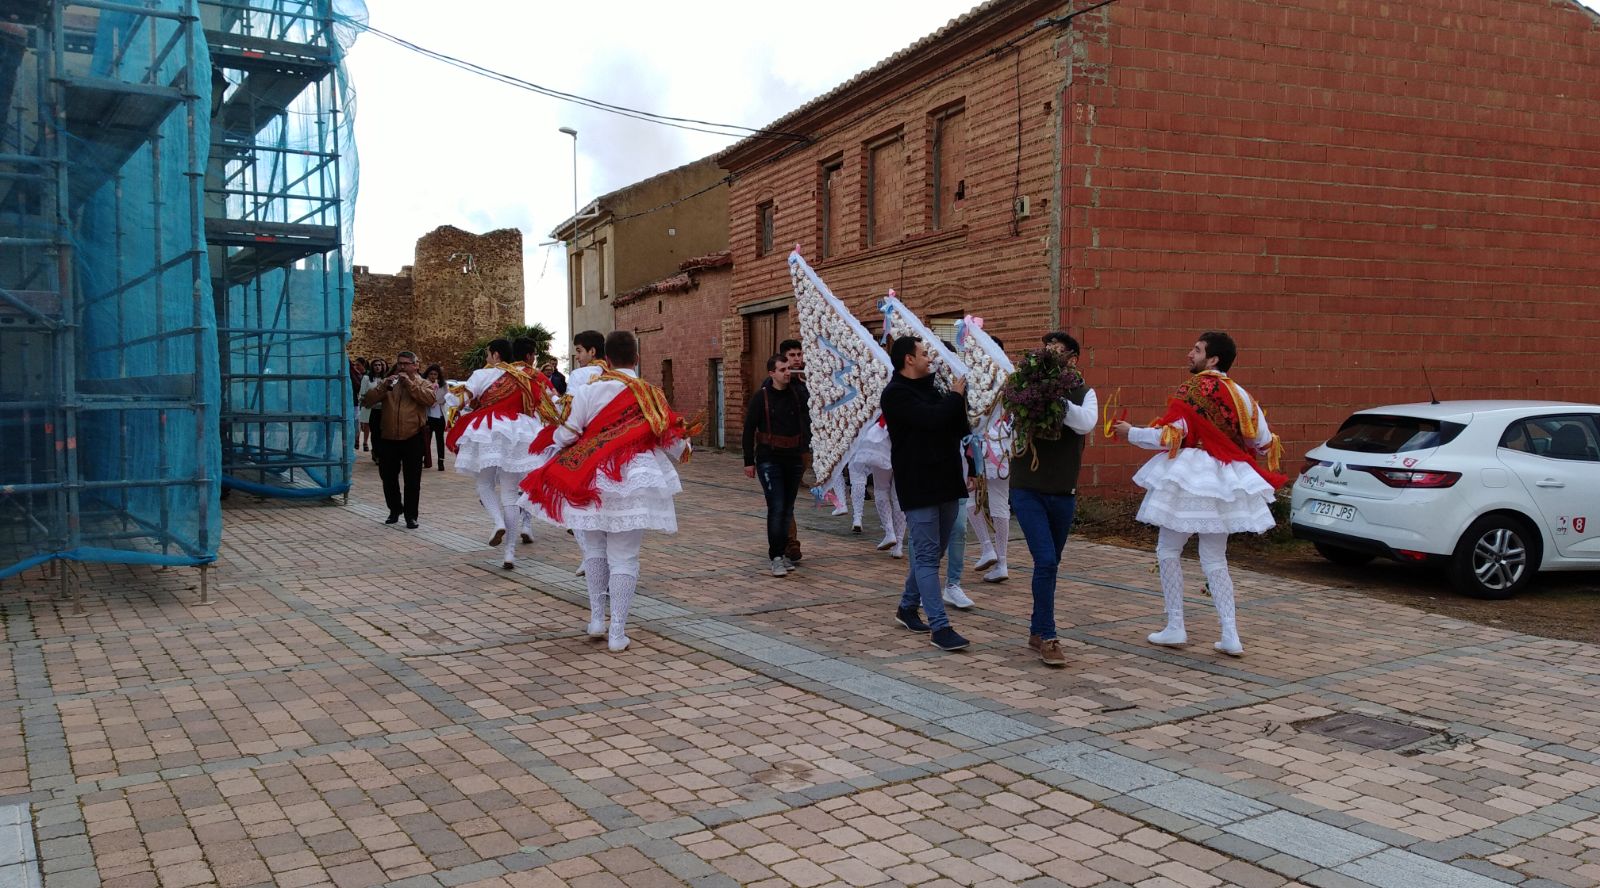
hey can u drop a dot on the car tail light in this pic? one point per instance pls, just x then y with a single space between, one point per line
1412 477
1311 463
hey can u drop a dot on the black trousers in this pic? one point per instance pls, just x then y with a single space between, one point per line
403 456
436 430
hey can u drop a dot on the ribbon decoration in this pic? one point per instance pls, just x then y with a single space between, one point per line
967 322
1108 422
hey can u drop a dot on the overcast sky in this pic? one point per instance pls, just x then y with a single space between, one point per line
440 146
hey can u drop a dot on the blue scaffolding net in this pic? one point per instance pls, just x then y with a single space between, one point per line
108 350
175 184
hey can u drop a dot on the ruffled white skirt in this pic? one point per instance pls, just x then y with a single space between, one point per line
870 452
1196 493
640 500
501 444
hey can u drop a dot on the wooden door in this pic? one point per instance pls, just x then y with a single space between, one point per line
764 331
886 210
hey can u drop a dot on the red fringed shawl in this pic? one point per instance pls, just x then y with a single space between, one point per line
636 421
1214 411
519 390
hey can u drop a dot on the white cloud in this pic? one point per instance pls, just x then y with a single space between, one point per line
441 146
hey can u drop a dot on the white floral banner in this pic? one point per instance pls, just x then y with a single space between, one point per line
899 321
987 367
846 369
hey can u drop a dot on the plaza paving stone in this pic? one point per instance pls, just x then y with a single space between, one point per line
361 705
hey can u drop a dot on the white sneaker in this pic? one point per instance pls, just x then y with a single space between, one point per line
789 564
597 628
617 642
841 510
580 572
1230 645
956 597
778 568
998 575
888 542
987 560
898 551
1172 636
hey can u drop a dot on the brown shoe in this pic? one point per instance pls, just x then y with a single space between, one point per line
1049 650
498 538
526 540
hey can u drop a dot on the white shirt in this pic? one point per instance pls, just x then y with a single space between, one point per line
583 376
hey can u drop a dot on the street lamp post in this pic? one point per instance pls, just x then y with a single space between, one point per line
572 245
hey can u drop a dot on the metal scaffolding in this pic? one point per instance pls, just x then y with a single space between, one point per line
277 188
108 392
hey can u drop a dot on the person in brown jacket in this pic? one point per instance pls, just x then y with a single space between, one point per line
405 397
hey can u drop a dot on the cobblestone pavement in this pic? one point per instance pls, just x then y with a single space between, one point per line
363 705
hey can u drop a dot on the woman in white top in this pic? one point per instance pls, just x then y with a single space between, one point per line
435 375
376 371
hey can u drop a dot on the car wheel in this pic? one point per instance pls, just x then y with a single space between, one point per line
1344 557
1496 558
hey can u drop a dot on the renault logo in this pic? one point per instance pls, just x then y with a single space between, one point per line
1338 469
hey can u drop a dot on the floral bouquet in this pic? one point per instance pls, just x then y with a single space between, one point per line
1035 394
846 369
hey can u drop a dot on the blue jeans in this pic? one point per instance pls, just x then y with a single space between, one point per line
1046 519
929 531
955 557
780 481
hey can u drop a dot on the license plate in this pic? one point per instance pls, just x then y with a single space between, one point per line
1333 510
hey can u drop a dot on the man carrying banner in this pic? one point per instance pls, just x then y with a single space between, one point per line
606 473
1208 482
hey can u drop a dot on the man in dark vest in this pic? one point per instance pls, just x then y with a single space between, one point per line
1044 498
926 426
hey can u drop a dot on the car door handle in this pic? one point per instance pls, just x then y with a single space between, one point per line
1551 482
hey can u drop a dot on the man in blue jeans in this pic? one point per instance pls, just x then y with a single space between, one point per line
1044 498
777 436
926 426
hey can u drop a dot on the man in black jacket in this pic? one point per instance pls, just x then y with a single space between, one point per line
926 427
777 436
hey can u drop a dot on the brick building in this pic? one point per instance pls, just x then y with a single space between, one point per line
679 323
1354 190
637 235
461 288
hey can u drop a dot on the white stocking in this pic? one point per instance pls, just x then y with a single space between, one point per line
980 529
1169 560
858 491
597 573
1214 561
488 481
622 590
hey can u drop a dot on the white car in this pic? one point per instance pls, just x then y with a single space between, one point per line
1494 490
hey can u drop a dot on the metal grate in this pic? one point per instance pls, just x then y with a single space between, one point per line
1364 730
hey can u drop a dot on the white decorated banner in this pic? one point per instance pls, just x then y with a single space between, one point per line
846 369
987 369
899 321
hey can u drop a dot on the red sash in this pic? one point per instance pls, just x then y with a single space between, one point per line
517 391
636 421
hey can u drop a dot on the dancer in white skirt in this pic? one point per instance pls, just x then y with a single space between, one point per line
510 404
869 458
994 530
607 474
1208 482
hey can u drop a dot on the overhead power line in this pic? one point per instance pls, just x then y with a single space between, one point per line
730 130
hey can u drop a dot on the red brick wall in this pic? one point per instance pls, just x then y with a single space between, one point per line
685 327
1353 193
984 264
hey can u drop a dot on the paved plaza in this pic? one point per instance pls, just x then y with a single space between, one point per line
363 705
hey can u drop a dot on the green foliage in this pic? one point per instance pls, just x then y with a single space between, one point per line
473 358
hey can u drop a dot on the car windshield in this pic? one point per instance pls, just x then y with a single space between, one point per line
1379 433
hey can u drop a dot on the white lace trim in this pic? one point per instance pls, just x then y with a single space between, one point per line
1178 510
1197 473
641 499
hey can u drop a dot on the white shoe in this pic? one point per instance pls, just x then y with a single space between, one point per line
597 628
987 560
887 543
788 563
956 597
779 569
998 575
897 551
580 572
841 511
1230 645
1169 637
617 643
